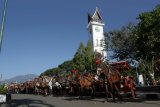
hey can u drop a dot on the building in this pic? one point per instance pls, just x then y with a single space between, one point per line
96 32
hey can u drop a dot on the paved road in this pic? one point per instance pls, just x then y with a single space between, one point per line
24 100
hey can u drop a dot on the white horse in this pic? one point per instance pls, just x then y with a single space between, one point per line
50 84
56 86
49 81
53 85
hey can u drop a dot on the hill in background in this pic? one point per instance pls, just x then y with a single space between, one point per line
20 78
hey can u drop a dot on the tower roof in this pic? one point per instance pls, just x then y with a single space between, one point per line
95 17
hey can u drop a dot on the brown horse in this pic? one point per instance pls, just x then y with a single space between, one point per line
87 82
111 77
112 81
72 83
41 85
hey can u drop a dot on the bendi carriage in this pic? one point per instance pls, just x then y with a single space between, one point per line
110 81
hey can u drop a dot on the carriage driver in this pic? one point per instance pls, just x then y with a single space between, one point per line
98 63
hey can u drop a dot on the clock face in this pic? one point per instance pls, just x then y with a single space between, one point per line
97 29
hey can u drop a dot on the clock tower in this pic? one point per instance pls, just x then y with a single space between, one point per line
96 33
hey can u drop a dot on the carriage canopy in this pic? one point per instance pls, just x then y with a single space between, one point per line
120 66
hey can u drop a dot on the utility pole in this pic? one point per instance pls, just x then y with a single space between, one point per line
3 21
0 79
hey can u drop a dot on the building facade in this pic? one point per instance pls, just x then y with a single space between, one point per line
95 28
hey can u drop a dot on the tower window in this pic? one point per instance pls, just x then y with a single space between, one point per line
101 43
96 42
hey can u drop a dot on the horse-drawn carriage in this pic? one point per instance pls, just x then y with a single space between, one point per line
108 79
127 82
115 83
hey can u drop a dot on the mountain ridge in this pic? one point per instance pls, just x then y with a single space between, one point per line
20 78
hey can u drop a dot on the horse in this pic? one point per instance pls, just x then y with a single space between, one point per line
22 88
41 85
50 84
111 77
87 82
37 85
72 83
56 86
47 84
29 85
112 81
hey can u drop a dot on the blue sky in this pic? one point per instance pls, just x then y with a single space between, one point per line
41 34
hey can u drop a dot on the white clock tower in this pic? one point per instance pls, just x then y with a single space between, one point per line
96 33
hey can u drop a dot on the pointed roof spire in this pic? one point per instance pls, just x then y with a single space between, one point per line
95 17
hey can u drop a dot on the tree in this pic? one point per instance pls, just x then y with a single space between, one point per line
122 42
89 57
147 40
140 42
66 65
78 60
84 58
147 69
107 41
51 72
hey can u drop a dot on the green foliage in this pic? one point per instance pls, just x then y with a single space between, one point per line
123 42
3 89
89 57
148 38
66 65
107 41
50 72
139 42
84 58
145 67
78 60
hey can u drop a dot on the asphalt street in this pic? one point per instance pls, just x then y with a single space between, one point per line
24 100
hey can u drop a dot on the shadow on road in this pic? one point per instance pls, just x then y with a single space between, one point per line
84 98
124 100
26 103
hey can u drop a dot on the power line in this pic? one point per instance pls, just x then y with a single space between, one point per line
3 21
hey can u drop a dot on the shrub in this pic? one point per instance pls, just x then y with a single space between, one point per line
3 89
